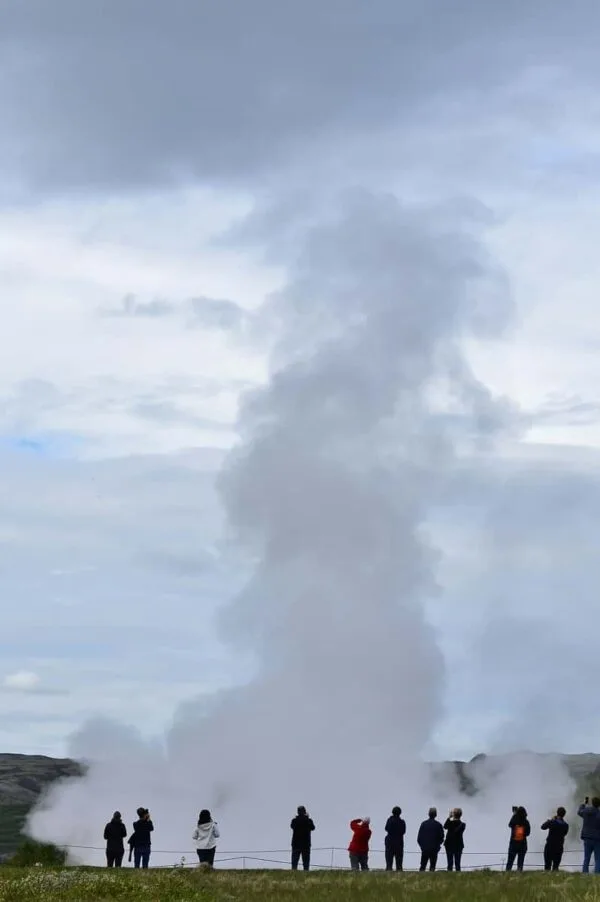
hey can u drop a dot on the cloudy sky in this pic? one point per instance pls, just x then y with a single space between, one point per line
157 163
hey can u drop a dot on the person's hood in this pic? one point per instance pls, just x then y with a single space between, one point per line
205 828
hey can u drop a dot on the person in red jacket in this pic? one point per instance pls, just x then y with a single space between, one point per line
359 844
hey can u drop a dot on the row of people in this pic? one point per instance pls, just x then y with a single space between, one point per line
431 837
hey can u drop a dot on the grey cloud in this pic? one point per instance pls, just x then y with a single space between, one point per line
157 93
199 312
131 308
567 411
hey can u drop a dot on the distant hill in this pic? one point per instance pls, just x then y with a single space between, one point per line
23 778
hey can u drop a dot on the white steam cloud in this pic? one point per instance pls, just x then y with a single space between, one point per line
340 458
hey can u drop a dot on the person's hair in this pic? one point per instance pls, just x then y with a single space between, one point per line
204 816
561 811
433 812
301 809
521 814
458 813
117 816
141 812
396 811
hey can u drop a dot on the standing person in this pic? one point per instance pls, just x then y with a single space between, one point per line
302 827
206 835
454 842
395 828
140 840
520 829
557 828
590 833
114 834
359 844
430 838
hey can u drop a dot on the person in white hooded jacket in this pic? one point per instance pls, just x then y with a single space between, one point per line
205 836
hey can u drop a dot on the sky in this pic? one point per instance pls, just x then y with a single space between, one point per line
159 167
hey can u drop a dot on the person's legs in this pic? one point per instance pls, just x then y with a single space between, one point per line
306 859
521 859
389 859
424 860
457 859
119 859
110 859
450 858
354 861
145 856
211 856
433 861
400 859
556 859
547 858
364 861
295 859
588 849
597 857
137 856
510 858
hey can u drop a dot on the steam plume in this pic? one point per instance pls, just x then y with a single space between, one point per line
340 456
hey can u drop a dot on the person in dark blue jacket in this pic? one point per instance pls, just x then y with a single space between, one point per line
590 833
557 828
140 841
395 828
429 840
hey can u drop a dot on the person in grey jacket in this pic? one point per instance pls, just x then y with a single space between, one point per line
590 833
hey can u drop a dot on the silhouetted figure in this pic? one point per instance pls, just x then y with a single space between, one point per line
205 836
302 827
454 842
140 841
114 834
395 828
359 844
590 833
429 839
557 828
519 831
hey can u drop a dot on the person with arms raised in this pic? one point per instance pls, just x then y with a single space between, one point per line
302 827
454 842
590 833
520 829
395 828
359 844
557 828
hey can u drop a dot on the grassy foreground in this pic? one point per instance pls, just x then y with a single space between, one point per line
178 885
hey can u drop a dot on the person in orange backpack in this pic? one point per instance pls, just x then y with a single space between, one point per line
359 844
519 831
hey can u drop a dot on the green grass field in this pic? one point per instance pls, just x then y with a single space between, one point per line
178 885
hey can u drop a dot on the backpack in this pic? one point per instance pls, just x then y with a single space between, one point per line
519 833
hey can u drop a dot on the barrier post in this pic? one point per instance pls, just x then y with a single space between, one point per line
332 852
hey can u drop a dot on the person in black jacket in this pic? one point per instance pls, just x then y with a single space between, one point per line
395 828
430 839
302 827
519 831
557 828
140 840
114 834
454 842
